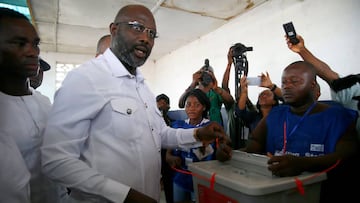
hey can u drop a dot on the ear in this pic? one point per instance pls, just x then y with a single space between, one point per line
112 28
313 84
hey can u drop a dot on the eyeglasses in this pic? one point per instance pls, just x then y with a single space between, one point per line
140 28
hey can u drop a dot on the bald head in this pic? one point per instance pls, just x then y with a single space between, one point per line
103 44
304 67
126 13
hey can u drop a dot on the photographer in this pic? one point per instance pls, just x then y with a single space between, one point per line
205 80
235 126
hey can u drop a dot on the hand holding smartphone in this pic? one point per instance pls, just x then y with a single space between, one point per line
290 32
253 81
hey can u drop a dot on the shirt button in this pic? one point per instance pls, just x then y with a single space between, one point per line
128 111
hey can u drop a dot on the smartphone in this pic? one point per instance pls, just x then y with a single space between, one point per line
253 81
290 32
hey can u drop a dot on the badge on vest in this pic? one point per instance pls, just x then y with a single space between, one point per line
317 147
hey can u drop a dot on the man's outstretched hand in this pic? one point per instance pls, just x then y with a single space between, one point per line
215 132
209 133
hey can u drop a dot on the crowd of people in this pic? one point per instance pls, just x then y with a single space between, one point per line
107 137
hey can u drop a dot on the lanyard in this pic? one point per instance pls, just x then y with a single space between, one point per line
296 126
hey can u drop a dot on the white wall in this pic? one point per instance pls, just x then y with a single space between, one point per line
330 29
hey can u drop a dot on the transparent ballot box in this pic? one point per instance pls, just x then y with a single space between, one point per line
246 179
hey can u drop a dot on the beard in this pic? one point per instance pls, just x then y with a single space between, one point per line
126 53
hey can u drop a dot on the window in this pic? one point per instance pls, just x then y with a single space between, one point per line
61 71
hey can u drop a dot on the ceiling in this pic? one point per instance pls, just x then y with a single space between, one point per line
75 26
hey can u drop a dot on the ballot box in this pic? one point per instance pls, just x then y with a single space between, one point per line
246 179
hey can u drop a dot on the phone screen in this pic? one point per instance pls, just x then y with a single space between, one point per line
253 81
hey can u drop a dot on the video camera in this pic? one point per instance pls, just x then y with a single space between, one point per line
206 78
239 59
239 49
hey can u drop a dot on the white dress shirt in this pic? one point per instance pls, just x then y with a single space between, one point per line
105 133
14 175
24 118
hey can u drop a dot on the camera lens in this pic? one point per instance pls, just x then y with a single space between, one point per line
206 78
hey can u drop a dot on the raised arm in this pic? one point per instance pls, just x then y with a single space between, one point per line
243 93
194 83
323 70
226 76
228 100
267 83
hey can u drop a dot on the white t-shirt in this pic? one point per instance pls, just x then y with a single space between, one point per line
24 118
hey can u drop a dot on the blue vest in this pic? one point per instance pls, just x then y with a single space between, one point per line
316 134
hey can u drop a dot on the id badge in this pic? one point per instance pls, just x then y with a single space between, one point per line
279 153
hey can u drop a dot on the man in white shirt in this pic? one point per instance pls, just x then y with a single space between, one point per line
105 132
24 112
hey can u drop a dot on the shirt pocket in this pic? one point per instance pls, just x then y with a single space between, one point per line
125 113
125 106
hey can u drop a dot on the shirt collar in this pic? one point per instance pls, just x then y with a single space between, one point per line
117 68
204 120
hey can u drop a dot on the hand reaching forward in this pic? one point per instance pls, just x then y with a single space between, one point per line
224 151
209 133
